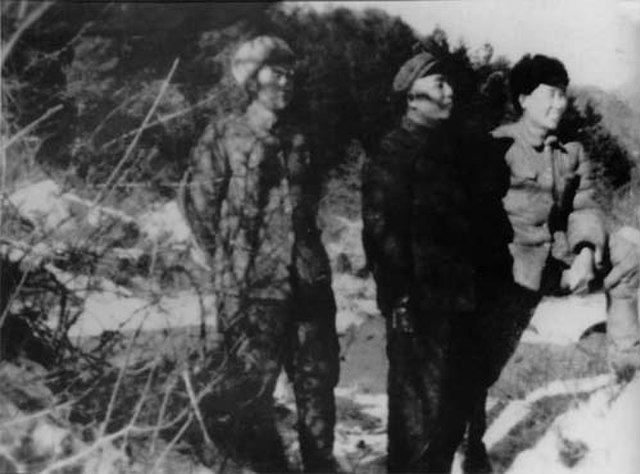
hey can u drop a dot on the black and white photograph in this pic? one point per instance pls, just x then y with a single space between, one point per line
341 237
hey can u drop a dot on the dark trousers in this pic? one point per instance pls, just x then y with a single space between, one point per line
429 386
504 312
262 336
439 373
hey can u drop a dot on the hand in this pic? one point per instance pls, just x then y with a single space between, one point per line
625 260
598 259
581 272
401 317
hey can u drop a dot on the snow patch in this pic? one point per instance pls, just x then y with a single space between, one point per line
358 445
166 222
518 410
565 320
115 311
355 300
600 435
42 203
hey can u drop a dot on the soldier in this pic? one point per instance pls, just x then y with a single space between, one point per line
251 201
559 237
418 218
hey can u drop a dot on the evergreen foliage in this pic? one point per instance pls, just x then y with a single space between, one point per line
105 64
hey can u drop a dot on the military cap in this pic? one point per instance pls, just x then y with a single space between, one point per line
254 54
424 62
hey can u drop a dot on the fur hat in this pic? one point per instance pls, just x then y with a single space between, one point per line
254 54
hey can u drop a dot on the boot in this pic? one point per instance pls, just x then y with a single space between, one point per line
623 334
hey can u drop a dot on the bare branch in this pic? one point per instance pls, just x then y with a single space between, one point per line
134 142
12 297
31 19
164 119
196 408
141 400
73 41
163 408
116 388
102 441
172 443
31 126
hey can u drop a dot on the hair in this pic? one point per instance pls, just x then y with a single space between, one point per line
251 85
529 72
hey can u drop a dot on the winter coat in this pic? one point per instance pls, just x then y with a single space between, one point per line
417 217
251 200
550 202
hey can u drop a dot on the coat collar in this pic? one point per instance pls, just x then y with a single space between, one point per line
414 127
522 132
261 119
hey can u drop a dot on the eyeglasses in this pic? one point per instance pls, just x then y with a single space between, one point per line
282 72
419 96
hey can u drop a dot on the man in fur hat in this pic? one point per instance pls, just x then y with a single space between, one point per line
251 199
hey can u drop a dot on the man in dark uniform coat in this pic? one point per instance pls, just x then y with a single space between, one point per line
418 221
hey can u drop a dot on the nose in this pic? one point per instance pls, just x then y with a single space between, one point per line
560 101
448 90
283 80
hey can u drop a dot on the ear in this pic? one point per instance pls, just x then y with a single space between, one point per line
252 87
522 99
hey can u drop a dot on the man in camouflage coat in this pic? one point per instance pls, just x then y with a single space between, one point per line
251 201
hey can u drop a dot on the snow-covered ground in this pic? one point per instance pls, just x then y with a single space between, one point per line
565 320
596 434
600 436
113 312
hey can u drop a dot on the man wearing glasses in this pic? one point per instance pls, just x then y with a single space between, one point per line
251 200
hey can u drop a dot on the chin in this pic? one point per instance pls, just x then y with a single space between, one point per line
551 126
553 122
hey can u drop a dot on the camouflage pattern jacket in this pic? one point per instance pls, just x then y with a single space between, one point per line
251 201
550 202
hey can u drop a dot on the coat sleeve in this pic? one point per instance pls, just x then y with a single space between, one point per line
586 221
386 205
204 187
312 260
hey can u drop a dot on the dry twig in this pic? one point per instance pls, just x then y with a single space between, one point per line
116 388
171 444
107 191
34 16
165 119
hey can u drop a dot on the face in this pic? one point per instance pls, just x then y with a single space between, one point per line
431 98
544 106
274 86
